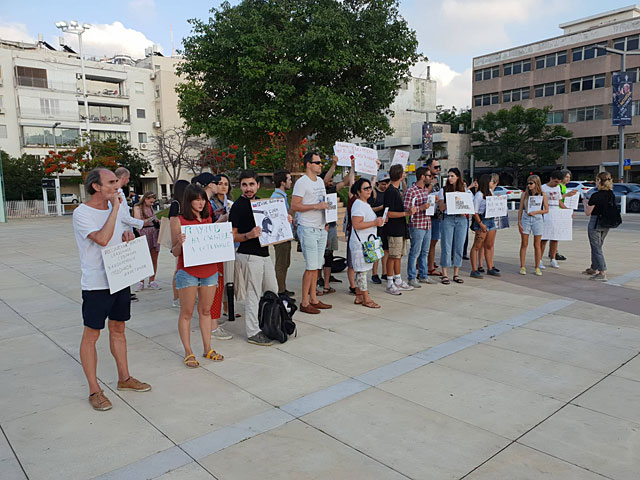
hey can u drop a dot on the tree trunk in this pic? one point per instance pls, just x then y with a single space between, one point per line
292 145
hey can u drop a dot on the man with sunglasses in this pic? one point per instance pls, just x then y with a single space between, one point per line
434 168
376 200
309 202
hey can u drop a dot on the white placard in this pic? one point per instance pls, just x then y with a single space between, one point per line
331 213
572 202
384 215
400 157
127 263
343 151
535 203
460 203
207 243
496 206
271 215
558 224
432 205
366 160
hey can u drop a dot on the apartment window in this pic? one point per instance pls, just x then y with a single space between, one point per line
627 43
587 83
104 135
142 137
3 131
551 60
139 86
49 107
158 115
32 77
517 67
44 136
487 73
486 99
516 95
140 113
586 52
554 118
549 89
585 114
105 114
590 144
157 91
630 141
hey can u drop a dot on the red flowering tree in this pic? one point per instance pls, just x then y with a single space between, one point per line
220 159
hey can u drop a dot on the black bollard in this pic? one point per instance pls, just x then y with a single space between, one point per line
230 303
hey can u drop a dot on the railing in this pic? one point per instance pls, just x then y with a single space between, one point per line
29 208
104 119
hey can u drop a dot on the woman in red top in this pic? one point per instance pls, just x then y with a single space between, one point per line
200 280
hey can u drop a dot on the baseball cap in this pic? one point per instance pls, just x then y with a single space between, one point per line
382 176
205 178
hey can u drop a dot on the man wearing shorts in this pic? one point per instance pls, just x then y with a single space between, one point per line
309 203
98 223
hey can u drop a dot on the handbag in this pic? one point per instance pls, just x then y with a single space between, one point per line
611 217
371 248
164 235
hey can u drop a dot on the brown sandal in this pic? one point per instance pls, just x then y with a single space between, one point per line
370 304
435 272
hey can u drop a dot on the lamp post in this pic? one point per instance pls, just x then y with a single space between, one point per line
566 142
55 150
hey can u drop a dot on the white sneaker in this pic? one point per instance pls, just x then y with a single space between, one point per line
221 334
541 266
553 263
176 303
405 287
415 283
139 286
393 290
427 280
154 286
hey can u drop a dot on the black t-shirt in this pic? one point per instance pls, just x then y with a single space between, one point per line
377 201
241 217
395 227
601 199
174 209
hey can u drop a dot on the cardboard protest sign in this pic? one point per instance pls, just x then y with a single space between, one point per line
496 206
271 215
558 224
460 203
572 202
432 205
207 243
535 203
331 213
127 263
343 151
366 160
400 157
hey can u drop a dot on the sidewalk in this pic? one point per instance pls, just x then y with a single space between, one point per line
518 377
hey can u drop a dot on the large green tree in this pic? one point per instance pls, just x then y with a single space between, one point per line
518 139
460 121
22 176
326 68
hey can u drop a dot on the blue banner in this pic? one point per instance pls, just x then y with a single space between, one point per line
427 138
622 86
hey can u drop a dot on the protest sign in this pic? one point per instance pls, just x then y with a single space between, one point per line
384 215
558 224
460 203
207 243
432 205
366 160
496 206
400 157
331 212
343 151
572 202
127 263
271 215
535 203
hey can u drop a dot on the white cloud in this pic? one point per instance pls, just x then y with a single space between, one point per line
111 39
453 88
15 31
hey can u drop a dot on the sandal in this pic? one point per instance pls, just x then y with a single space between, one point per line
191 362
358 300
213 356
435 272
328 290
457 279
445 281
370 304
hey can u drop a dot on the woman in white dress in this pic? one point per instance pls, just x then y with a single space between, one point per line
365 225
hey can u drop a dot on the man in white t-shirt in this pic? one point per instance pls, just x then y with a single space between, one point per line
98 223
309 202
554 194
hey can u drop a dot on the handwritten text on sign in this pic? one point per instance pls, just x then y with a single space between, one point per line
496 206
572 202
343 151
271 215
366 160
558 224
401 157
127 263
207 243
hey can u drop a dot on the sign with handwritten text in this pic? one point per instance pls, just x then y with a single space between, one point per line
127 263
207 243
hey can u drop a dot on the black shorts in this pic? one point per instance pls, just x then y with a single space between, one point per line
98 305
384 238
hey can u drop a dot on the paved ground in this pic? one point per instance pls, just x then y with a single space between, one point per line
510 378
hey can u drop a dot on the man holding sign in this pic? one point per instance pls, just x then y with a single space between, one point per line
98 223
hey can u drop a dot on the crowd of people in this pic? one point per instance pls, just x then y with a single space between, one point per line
383 213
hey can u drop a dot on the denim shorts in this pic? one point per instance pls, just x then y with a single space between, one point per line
185 280
532 224
313 242
435 228
490 223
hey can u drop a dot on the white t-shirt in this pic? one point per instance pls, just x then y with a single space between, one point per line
554 194
311 193
127 219
361 209
85 221
479 203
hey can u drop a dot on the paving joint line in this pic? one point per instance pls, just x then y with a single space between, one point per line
14 452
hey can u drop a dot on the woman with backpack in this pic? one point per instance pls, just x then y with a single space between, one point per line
601 207
533 204
364 223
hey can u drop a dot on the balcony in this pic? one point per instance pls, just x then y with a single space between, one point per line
106 92
104 119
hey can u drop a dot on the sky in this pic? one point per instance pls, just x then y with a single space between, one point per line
450 32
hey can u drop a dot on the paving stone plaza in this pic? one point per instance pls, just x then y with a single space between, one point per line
518 377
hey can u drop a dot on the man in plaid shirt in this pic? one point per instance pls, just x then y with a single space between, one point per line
419 226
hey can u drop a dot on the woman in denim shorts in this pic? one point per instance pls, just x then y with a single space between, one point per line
484 228
200 280
533 204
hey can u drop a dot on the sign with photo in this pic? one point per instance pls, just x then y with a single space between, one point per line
271 215
460 203
208 243
127 263
332 210
622 87
535 203
496 206
427 138
432 205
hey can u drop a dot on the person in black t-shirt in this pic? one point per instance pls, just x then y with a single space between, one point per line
376 200
595 206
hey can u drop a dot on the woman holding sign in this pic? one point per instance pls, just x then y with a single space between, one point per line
200 280
533 204
484 228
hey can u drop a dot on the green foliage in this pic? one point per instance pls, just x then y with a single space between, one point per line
454 118
22 177
327 68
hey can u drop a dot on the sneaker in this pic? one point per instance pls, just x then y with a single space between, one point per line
393 290
404 286
99 402
589 271
553 263
496 269
383 277
414 283
560 257
333 279
289 293
476 274
541 266
134 298
523 271
221 334
481 269
154 286
465 257
260 339
599 277
139 286
376 279
493 272
426 280
176 303
538 272
134 385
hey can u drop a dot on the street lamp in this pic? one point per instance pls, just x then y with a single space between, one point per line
566 142
55 150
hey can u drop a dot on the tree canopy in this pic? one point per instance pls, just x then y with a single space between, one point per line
22 176
326 68
454 118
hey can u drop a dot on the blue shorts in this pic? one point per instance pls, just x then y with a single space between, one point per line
313 242
435 228
490 223
532 224
185 280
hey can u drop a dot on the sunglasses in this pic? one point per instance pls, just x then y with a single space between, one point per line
530 183
316 162
366 188
437 167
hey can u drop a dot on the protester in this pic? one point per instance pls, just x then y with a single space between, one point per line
419 227
98 223
174 212
364 223
484 228
144 211
566 178
530 222
554 196
309 203
436 220
376 200
453 229
254 271
199 280
282 181
351 273
596 208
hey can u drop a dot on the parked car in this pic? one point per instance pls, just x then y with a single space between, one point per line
631 190
69 198
512 193
582 187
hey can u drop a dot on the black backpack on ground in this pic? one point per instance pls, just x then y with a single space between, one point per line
338 264
275 316
611 217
